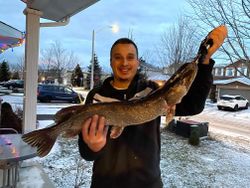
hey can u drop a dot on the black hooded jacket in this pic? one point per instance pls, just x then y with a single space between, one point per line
133 159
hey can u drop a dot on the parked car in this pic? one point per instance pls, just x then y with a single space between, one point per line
13 84
49 92
2 83
233 102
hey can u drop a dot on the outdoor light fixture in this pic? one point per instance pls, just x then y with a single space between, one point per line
114 29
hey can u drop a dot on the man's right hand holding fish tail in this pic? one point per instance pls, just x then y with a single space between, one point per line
94 133
217 36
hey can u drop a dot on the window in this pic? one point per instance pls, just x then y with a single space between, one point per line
226 98
68 90
239 71
218 72
229 72
242 70
245 71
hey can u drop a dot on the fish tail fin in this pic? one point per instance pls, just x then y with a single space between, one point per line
43 139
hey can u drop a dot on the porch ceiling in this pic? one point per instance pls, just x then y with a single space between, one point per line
58 10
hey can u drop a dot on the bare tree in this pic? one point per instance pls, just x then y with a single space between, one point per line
150 56
46 59
234 14
130 34
178 45
57 60
18 66
246 7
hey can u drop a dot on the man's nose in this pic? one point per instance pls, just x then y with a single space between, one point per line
124 62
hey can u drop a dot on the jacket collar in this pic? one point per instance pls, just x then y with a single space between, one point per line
129 92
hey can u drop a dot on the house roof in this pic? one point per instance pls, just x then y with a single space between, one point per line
221 65
153 75
242 80
229 64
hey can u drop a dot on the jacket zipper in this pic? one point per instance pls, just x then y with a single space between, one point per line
125 97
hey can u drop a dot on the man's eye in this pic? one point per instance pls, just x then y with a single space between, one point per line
118 57
130 58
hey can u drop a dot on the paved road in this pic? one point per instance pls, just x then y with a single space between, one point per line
238 126
236 130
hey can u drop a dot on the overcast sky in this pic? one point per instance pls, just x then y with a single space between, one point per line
147 20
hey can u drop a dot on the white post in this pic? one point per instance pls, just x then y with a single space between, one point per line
31 68
92 61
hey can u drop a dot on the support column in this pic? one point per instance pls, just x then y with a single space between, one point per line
31 68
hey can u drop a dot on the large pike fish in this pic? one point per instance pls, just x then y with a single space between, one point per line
69 120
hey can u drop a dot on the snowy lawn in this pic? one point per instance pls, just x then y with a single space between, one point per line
211 164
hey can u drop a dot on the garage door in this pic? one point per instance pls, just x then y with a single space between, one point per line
244 93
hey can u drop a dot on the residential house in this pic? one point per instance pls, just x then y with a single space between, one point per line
67 77
154 73
233 70
231 79
159 77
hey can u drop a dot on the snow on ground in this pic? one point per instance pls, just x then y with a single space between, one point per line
214 163
211 164
242 115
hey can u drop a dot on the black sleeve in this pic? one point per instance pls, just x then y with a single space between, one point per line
85 152
194 102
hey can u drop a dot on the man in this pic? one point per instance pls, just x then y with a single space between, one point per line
132 160
10 119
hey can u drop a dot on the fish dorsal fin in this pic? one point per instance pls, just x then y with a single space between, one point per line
66 113
116 132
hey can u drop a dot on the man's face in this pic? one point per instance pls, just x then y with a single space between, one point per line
124 62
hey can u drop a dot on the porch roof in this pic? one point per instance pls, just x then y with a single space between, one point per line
58 10
9 37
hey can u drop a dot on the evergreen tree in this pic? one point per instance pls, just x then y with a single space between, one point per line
97 73
4 71
77 76
141 71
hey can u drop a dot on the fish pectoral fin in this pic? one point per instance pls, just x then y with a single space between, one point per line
116 132
170 115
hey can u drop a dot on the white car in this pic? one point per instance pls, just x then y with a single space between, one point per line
234 102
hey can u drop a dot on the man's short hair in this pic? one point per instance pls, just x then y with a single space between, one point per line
123 41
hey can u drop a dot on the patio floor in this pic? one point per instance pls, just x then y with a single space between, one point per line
33 176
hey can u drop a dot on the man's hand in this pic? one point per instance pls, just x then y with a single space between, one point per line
218 36
94 133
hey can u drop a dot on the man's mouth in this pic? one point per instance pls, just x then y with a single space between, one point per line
124 70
